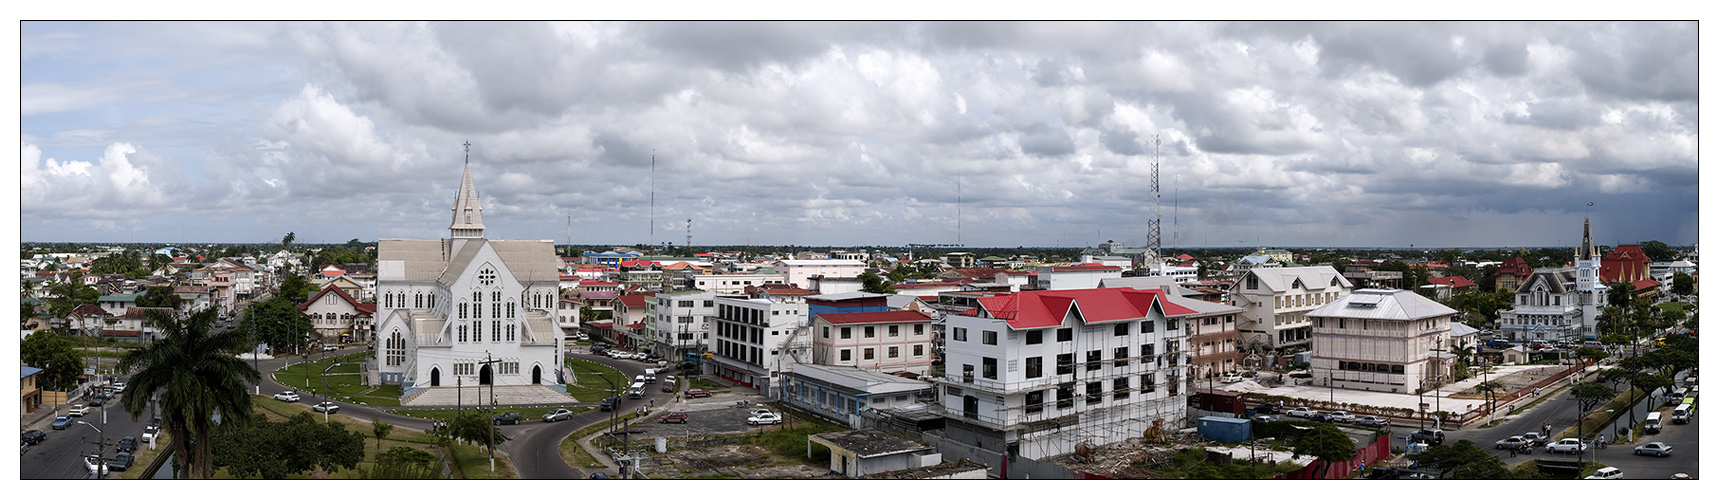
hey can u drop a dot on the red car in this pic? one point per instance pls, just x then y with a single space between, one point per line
675 417
668 387
697 393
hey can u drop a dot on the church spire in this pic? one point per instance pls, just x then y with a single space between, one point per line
468 214
1586 251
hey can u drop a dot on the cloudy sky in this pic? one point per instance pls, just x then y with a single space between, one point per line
1284 134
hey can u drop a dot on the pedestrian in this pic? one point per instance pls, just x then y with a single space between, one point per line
1513 451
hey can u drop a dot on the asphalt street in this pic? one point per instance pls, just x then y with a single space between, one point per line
535 446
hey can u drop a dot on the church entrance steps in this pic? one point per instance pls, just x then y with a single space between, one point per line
505 395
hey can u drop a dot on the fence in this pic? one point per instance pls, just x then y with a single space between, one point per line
1000 466
1379 449
1516 396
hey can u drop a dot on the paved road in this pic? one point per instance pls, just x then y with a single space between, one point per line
60 456
1685 451
535 446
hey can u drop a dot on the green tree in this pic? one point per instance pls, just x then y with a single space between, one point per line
1463 460
1489 388
400 462
295 288
1682 284
871 283
276 322
1591 354
53 352
160 296
1327 443
286 241
1590 394
474 427
381 430
70 294
273 450
1658 251
195 369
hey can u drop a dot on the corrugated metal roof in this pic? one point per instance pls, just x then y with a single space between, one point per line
410 260
861 380
530 260
1313 278
1396 305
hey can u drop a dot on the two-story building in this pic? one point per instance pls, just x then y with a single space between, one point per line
734 283
1276 300
338 317
1075 277
1039 372
1382 340
800 272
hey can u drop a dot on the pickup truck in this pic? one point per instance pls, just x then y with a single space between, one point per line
509 417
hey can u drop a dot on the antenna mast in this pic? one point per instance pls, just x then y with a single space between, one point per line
1154 240
653 197
689 233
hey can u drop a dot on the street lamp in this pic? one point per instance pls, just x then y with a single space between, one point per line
101 444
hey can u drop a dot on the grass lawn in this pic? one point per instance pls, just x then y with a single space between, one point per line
708 385
343 381
1593 422
789 439
590 385
448 415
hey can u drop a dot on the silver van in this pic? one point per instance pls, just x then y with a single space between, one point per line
1652 426
1680 415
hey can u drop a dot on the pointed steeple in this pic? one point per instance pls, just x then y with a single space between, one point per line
468 214
1586 251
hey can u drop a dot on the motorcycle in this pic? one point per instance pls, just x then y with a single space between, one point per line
742 404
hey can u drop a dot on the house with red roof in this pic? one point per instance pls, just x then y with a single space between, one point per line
338 317
884 341
1511 274
1040 372
1625 264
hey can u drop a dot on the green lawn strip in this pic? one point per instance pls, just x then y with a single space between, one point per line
474 463
448 415
788 440
1592 423
590 384
575 455
708 385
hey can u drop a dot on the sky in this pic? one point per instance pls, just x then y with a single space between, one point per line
992 134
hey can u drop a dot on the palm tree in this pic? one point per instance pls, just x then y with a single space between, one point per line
195 369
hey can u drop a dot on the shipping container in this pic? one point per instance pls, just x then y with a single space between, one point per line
1225 429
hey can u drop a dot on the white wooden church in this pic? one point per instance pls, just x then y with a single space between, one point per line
446 306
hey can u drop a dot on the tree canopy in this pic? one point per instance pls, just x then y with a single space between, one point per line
1658 251
160 296
276 322
1325 442
295 288
1682 284
194 369
273 450
871 283
52 351
401 462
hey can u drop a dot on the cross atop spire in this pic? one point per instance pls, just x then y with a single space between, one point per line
468 152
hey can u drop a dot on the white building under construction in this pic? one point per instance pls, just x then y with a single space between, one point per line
1037 373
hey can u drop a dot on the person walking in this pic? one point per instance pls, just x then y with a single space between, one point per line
1513 451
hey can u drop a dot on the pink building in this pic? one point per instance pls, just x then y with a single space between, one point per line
886 341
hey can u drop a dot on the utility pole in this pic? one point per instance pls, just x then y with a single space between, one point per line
488 360
1437 400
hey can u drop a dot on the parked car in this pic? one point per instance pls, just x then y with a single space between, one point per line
1342 417
686 365
762 411
669 379
1567 445
1606 473
697 393
1230 379
639 356
1261 417
128 443
1656 448
150 433
1320 417
118 387
95 465
1372 421
509 417
78 410
98 400
1268 408
1302 411
1300 374
766 418
668 387
331 347
154 423
1429 436
1534 438
288 396
62 422
120 462
675 417
33 436
557 415
326 407
1517 442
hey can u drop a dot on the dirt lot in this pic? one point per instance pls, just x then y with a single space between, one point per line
735 461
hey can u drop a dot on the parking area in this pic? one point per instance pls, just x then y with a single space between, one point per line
703 419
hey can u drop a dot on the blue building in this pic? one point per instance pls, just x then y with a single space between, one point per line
611 259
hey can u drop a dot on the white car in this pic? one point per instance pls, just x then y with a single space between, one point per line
639 356
1303 412
118 387
1230 379
327 348
78 410
1342 417
1567 445
95 465
326 407
288 396
1656 448
669 379
766 418
149 434
557 415
1606 473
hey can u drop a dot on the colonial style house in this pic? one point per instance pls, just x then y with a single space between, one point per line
338 317
1381 340
1276 301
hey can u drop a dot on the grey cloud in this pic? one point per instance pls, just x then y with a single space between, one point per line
1045 141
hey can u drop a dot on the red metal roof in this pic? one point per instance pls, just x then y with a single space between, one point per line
1037 309
1644 284
632 300
1086 267
597 283
343 296
874 317
1514 266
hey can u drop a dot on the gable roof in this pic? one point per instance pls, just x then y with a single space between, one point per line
1516 266
369 308
1372 303
632 300
1037 309
1550 278
1316 278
